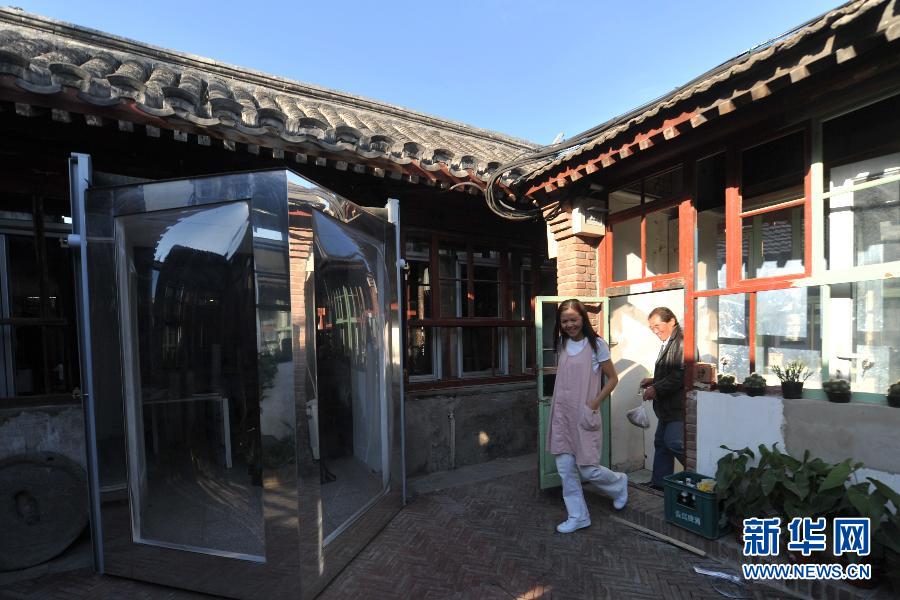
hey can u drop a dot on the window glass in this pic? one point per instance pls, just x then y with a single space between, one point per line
710 237
772 172
788 326
863 225
625 197
480 350
722 326
627 250
864 327
663 185
37 358
662 241
863 145
453 261
486 282
773 243
420 353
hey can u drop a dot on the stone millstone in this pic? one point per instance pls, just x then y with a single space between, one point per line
43 507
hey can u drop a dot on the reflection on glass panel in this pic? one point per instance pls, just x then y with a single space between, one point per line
486 282
418 286
627 250
772 172
350 279
192 399
723 334
868 138
788 329
663 185
625 197
480 350
773 243
518 349
420 354
864 326
37 359
548 277
453 267
662 241
873 217
710 239
448 342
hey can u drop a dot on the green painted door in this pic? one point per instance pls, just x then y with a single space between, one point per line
545 319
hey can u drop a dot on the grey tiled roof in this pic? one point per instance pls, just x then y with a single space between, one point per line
61 63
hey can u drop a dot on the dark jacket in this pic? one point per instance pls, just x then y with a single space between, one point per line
668 380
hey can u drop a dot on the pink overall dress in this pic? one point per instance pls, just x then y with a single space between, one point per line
575 428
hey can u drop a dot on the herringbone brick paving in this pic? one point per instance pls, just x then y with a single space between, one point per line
485 540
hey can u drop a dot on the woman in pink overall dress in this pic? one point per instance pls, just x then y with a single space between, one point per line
575 434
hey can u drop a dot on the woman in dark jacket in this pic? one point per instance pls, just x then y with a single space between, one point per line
666 389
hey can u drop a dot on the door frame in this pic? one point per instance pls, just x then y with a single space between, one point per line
547 475
296 562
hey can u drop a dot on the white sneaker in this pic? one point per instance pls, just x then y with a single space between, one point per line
571 525
622 499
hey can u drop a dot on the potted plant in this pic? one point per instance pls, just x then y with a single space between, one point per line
792 377
725 383
737 485
837 390
893 397
755 385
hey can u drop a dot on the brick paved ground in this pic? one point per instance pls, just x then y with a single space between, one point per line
483 540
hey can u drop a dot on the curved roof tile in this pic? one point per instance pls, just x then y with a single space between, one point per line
46 56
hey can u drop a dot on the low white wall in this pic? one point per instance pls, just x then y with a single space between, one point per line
832 432
735 421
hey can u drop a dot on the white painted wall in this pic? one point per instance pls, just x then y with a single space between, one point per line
866 432
634 353
735 421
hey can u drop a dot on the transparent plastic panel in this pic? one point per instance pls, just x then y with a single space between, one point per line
191 389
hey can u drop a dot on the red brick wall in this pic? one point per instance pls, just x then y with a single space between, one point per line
576 258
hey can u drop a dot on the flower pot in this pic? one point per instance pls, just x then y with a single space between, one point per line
894 401
838 397
754 391
727 389
792 389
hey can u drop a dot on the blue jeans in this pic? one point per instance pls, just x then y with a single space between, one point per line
669 444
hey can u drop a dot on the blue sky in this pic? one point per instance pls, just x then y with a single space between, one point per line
526 68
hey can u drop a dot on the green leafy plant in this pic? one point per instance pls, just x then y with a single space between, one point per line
893 395
836 386
784 486
755 385
837 390
793 372
725 383
870 499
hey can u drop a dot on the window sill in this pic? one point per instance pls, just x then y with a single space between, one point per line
460 386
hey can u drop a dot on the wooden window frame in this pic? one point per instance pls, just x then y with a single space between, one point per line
505 320
680 200
39 234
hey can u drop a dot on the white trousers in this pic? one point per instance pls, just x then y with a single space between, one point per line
609 483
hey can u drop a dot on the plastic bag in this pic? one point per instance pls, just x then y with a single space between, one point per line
638 416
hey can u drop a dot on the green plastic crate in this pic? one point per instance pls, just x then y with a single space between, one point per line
688 507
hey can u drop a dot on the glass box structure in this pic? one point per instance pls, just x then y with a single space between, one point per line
243 381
